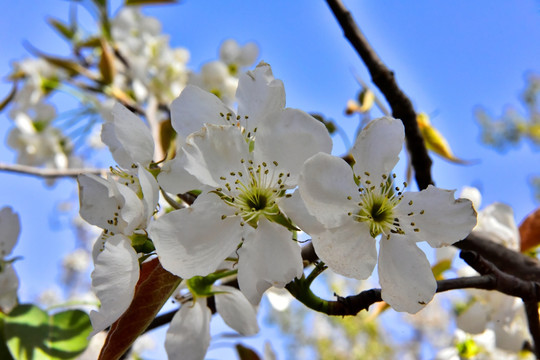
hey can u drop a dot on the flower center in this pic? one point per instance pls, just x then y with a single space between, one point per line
377 204
253 192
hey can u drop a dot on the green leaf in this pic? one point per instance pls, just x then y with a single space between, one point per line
4 351
149 2
62 28
439 268
31 333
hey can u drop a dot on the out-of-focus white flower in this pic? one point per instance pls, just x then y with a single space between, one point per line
36 140
215 78
51 296
238 57
220 77
10 228
39 77
153 67
478 347
280 299
357 205
76 261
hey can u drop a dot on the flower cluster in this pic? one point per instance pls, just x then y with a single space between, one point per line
242 168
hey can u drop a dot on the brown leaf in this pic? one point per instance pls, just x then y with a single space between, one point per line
153 289
245 353
106 63
529 231
9 97
148 2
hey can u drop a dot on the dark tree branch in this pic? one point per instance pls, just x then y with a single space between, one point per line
352 305
505 283
531 308
384 78
506 260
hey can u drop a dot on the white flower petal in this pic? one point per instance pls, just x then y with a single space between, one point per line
377 147
150 191
188 336
325 183
9 284
348 250
174 177
214 152
229 51
131 214
194 241
10 227
497 222
259 94
407 283
295 209
268 257
236 310
474 319
248 54
128 138
114 278
473 194
97 201
440 219
194 108
290 137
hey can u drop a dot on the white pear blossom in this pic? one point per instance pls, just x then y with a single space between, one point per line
114 278
128 139
247 166
36 140
154 68
358 204
221 77
188 336
259 95
238 57
478 347
10 228
215 78
121 214
123 210
39 77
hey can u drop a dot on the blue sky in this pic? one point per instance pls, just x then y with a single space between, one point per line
449 57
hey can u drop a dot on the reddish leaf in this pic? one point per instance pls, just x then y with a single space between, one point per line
529 231
245 353
153 289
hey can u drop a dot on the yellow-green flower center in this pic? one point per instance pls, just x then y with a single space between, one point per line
253 192
377 206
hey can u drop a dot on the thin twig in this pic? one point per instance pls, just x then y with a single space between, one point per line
49 173
401 105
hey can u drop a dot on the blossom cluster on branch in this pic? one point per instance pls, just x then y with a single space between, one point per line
222 194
